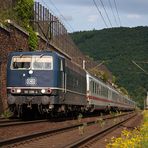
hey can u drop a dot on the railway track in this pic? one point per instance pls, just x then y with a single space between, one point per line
19 122
88 141
3 120
50 133
16 122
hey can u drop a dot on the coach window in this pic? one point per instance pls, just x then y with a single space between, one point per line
96 88
114 96
106 92
93 87
90 85
77 82
99 90
103 91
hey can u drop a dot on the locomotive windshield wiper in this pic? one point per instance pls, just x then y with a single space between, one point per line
21 55
41 55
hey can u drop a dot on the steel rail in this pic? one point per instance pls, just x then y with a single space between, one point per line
15 123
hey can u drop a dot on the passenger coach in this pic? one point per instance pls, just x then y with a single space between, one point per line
104 97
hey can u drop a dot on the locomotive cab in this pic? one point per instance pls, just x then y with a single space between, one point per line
34 79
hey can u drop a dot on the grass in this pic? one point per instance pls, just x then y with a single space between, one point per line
6 114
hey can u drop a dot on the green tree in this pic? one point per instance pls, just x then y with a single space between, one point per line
24 12
33 39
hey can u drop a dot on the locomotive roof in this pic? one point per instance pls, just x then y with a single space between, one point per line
34 52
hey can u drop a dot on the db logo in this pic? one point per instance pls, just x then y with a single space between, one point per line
31 81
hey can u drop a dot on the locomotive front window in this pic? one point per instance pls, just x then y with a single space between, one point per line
42 63
32 62
21 62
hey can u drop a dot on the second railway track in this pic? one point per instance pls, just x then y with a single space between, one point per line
19 122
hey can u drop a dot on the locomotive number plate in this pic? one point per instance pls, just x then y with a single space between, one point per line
31 81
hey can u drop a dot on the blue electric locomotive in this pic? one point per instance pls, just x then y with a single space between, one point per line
44 81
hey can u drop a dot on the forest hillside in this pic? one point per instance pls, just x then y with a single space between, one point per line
125 52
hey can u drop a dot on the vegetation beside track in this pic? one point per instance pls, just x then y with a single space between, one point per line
137 138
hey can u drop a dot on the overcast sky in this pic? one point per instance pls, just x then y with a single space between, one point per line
83 15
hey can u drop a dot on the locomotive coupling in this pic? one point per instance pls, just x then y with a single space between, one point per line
29 105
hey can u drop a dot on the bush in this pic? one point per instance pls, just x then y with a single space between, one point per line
33 39
132 139
7 114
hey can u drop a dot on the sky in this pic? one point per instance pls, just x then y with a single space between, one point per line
80 15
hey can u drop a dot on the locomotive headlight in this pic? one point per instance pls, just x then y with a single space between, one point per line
43 91
30 72
18 91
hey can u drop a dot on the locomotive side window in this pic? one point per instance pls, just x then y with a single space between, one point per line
61 65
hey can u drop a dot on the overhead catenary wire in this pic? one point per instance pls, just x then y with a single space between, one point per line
106 13
100 13
47 7
113 12
117 12
144 62
64 19
140 67
67 40
62 16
